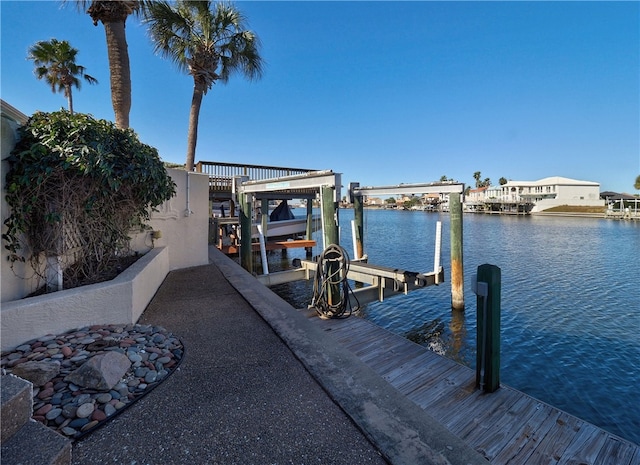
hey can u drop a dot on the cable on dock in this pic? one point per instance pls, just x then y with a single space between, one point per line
331 288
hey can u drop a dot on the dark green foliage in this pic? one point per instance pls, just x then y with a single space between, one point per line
76 187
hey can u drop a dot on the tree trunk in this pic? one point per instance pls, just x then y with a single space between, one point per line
70 99
194 115
120 74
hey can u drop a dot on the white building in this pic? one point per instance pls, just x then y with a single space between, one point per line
548 192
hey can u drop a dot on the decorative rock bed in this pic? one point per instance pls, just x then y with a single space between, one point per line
128 361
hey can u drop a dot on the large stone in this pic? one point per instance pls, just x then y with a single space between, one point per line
39 373
100 372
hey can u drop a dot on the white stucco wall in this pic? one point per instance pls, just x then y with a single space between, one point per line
14 280
184 221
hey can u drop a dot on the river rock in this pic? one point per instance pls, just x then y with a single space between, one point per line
85 410
101 372
39 373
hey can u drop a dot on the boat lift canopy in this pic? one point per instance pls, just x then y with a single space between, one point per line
445 187
290 187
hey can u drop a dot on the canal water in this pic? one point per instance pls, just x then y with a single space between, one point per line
570 325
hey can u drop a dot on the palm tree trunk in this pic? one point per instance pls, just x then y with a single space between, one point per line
120 73
194 115
70 99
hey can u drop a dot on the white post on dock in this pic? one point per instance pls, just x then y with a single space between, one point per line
263 250
436 258
353 238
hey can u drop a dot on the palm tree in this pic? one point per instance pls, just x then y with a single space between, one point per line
209 44
55 62
476 176
113 15
637 183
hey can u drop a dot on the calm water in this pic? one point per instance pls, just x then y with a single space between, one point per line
570 303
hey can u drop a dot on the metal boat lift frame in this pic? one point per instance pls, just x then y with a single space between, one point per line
307 185
382 282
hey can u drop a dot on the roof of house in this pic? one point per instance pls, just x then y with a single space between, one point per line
12 112
552 181
617 196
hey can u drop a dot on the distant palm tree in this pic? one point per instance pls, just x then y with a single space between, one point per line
477 176
55 62
637 184
113 15
209 44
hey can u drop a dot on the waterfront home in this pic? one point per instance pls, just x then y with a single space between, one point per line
474 200
374 202
547 193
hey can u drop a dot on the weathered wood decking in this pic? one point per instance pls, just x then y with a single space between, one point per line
507 426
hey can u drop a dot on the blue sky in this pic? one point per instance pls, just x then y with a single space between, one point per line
383 92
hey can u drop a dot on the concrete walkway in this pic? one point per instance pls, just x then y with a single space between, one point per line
259 384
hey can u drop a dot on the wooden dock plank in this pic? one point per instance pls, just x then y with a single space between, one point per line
482 415
507 426
490 441
555 442
423 379
585 446
528 436
615 451
420 361
446 385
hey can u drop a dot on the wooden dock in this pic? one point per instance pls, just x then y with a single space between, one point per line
508 427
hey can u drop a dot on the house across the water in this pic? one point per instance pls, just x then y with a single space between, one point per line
536 196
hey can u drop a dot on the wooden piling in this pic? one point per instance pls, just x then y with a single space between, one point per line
331 236
488 329
457 264
329 216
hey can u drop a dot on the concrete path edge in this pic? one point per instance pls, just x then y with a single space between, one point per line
403 432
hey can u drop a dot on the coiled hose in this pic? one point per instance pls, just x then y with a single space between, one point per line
330 287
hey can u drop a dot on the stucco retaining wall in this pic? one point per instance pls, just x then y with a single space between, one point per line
119 301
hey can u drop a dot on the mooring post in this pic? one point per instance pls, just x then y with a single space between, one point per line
329 216
488 328
330 223
457 265
245 230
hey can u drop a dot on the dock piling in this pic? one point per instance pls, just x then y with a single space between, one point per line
329 216
457 273
487 288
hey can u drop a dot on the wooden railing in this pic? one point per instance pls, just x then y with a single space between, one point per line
221 174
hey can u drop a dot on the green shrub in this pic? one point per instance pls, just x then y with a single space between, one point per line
76 187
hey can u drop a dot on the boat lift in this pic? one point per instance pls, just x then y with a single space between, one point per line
380 282
454 190
309 185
